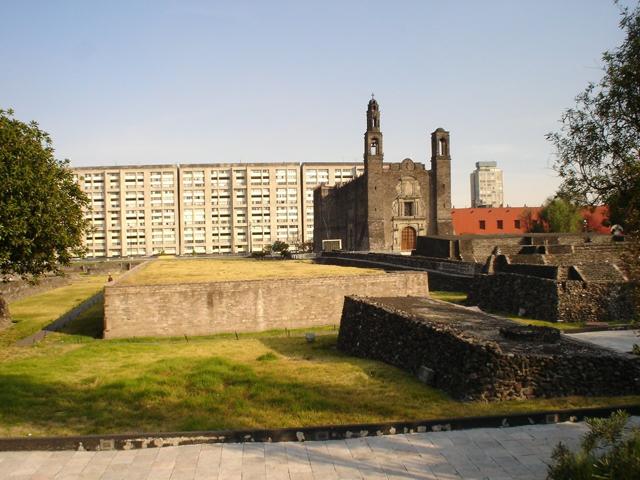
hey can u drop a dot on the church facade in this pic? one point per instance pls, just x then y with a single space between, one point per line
391 204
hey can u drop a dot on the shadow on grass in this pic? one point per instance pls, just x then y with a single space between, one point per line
179 394
88 324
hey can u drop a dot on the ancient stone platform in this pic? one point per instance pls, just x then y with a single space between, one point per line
472 355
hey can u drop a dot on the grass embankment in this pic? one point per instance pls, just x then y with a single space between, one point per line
35 312
220 270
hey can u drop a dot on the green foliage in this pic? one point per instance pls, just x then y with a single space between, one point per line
558 214
599 143
605 452
305 247
279 246
41 207
561 215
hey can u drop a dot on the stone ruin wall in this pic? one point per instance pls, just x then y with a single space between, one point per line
471 369
243 306
551 300
447 275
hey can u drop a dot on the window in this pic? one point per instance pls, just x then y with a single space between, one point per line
259 177
373 150
516 223
240 178
323 176
500 225
311 176
408 209
483 225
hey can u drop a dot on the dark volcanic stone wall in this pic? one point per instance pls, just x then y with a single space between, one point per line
468 367
546 299
588 302
512 293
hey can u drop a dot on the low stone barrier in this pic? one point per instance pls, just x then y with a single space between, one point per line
448 275
243 306
474 356
555 301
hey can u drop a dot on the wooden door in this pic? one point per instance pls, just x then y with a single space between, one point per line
408 241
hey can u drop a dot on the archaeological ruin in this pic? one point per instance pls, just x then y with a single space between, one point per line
475 356
555 277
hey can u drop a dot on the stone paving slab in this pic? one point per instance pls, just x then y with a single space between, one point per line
496 454
618 340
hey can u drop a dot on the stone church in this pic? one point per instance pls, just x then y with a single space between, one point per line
387 207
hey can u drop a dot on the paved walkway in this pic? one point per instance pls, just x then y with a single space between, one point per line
495 454
619 340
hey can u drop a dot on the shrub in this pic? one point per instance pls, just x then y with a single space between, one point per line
605 452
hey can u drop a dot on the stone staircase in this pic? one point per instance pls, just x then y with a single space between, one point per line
600 273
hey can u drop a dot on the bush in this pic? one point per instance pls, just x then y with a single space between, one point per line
605 452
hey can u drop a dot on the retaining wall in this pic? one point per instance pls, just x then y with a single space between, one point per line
470 360
547 299
243 306
444 274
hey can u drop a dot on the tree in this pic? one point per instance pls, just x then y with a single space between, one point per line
598 146
560 215
556 215
282 248
531 221
42 222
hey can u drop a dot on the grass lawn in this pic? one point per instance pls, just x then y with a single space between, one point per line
72 383
35 312
214 269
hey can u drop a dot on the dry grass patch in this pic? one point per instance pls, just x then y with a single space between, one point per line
222 270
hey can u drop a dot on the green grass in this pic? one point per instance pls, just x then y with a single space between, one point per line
564 326
35 312
453 297
219 270
74 383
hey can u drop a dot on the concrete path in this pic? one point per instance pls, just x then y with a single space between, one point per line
619 340
495 454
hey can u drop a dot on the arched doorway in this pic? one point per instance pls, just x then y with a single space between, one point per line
408 241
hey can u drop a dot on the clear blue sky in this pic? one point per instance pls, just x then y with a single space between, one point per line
133 82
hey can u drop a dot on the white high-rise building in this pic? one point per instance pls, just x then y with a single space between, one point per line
486 185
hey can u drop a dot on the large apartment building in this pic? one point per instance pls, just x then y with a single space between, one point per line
203 208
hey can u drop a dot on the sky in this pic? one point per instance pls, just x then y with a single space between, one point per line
148 82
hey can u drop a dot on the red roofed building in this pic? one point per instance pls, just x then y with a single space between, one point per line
491 221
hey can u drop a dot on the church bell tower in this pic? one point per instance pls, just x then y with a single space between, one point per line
441 222
373 153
